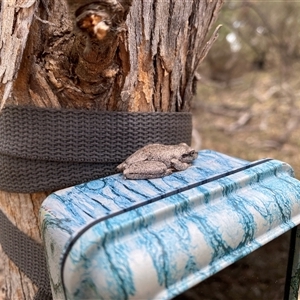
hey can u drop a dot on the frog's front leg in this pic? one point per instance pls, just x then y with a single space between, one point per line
178 165
146 170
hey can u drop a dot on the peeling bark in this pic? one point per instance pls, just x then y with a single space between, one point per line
145 64
123 55
16 18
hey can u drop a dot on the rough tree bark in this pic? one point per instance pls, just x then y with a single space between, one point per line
125 55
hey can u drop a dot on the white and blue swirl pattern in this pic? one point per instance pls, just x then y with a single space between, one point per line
153 239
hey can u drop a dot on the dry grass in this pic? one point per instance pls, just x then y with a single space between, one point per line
254 119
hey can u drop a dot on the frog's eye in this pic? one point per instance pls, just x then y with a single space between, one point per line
188 154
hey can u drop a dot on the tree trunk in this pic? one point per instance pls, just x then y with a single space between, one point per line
123 55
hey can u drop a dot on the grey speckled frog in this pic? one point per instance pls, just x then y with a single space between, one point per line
157 160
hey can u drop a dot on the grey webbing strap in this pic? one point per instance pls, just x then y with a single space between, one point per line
46 149
27 254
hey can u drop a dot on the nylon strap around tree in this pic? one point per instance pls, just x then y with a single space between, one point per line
45 149
27 254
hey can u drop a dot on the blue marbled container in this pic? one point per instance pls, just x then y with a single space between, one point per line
153 239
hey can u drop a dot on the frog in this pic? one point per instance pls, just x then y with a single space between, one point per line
157 160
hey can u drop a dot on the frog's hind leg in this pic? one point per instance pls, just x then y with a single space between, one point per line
178 165
146 170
